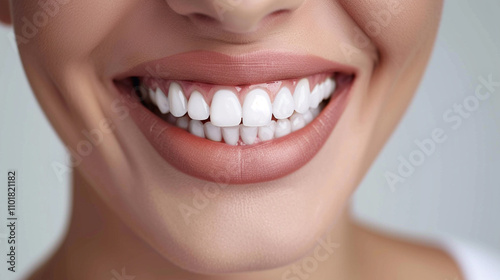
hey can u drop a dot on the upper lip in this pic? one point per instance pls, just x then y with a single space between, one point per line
221 69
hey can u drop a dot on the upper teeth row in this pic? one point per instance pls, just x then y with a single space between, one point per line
225 109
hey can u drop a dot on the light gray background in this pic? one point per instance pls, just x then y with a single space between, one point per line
456 191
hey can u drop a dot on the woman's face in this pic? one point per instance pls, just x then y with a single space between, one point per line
261 199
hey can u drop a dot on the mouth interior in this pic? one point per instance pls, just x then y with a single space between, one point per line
239 115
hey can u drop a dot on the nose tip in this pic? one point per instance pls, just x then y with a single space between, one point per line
237 16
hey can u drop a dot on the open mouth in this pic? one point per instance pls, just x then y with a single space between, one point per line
243 121
238 115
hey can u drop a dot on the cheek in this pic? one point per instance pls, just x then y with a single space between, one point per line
396 27
61 31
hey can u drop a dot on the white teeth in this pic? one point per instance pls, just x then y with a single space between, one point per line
267 132
283 127
308 116
330 86
257 108
301 96
316 97
297 121
213 132
234 124
177 100
183 122
162 101
225 109
152 95
248 134
196 128
315 112
322 90
197 107
283 105
231 135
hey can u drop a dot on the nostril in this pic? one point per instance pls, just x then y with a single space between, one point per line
279 12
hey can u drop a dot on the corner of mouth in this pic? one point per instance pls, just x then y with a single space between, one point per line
238 115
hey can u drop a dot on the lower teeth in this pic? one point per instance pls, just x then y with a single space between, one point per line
241 134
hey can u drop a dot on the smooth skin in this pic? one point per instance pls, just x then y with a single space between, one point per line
126 198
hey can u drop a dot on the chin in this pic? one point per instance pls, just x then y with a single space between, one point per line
250 228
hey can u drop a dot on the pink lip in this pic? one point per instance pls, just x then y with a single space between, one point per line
221 69
222 163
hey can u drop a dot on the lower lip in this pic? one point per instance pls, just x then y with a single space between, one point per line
225 164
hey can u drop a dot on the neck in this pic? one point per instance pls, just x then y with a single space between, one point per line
99 245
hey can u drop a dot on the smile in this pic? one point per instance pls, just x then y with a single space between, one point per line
238 132
238 115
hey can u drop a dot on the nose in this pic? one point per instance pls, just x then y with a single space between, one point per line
237 16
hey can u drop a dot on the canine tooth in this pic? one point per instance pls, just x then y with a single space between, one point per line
327 85
283 127
283 105
162 101
257 108
248 134
152 95
323 87
177 100
301 96
316 97
330 85
315 112
213 132
225 109
196 128
297 121
267 132
231 135
197 107
183 122
308 116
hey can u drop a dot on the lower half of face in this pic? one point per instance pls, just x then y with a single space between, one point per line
229 135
